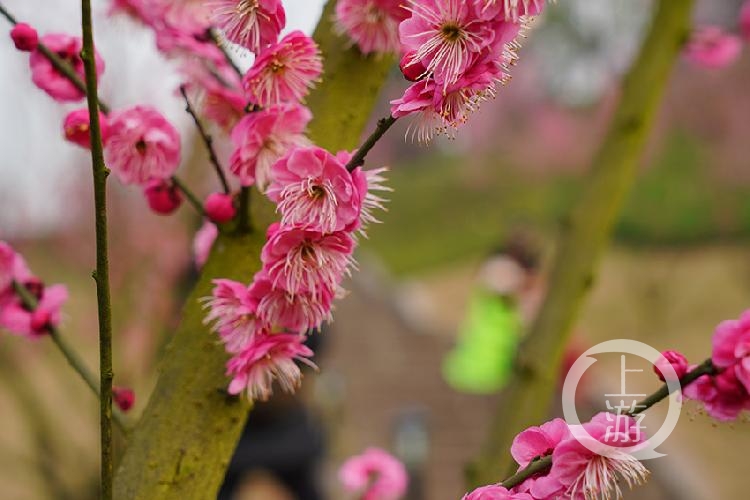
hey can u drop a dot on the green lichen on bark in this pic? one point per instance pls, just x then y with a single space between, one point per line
586 235
183 443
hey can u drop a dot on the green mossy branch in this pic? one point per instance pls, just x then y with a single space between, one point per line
587 233
181 447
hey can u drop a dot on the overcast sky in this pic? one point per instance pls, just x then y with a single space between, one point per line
35 162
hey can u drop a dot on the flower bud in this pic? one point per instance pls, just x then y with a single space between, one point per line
77 127
163 196
219 207
412 70
677 360
25 38
123 397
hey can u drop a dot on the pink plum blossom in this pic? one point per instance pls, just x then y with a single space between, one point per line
511 10
232 313
285 71
25 38
712 48
539 442
46 77
371 24
298 313
676 360
203 242
745 21
142 146
731 347
254 24
268 357
313 190
219 207
374 475
723 396
163 196
187 16
77 127
17 319
495 492
306 261
264 136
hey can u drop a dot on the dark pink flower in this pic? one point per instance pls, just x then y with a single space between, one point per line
537 442
232 313
495 492
46 77
262 137
676 360
219 207
25 38
268 357
723 395
77 127
712 48
371 24
745 21
163 196
203 242
254 24
306 261
285 71
278 309
731 347
142 146
313 190
374 475
123 397
17 319
412 71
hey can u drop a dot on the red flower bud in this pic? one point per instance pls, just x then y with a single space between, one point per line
24 37
677 360
123 397
412 70
219 207
163 196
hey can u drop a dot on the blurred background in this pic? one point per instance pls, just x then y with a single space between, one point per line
678 266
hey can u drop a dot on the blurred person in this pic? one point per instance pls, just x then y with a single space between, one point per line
505 299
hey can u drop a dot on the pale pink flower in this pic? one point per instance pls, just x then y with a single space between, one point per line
723 396
539 442
253 24
77 127
495 492
712 48
188 16
371 24
299 313
313 190
267 358
374 475
445 36
676 360
745 21
17 319
149 12
584 473
264 136
285 71
306 261
24 37
232 313
142 146
369 183
46 77
203 242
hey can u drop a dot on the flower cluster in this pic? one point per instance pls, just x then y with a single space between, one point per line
588 460
16 315
456 52
714 47
374 475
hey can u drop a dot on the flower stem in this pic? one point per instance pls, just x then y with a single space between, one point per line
71 356
192 198
101 275
207 140
541 464
359 157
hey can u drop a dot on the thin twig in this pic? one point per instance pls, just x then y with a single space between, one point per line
359 157
213 33
194 201
542 464
101 275
207 140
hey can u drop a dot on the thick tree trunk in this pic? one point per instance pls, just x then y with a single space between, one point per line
181 447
